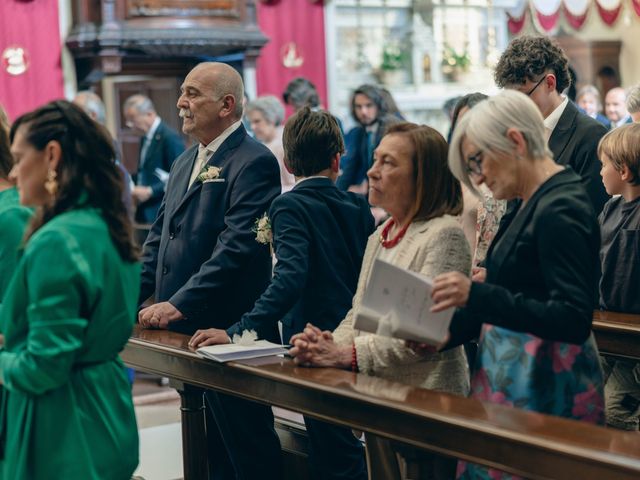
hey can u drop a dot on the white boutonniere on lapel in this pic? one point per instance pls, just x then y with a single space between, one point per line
262 229
209 174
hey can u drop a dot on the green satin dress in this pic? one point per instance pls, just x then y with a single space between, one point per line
13 220
67 411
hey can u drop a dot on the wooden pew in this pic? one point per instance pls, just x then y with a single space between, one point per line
617 333
525 443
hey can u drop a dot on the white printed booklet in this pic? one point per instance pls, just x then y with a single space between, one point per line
397 304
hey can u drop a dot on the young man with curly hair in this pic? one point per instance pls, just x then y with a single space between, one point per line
539 68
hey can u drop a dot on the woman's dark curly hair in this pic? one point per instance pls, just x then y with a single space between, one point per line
87 166
528 58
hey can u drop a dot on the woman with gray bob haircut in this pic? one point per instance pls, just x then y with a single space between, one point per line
493 117
270 108
266 115
532 313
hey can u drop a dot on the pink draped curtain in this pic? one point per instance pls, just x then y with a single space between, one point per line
296 37
29 36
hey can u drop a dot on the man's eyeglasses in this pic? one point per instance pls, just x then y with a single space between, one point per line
536 86
474 164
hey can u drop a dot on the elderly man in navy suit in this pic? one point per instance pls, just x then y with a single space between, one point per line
160 145
319 233
201 262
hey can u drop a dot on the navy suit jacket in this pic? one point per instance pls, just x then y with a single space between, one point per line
200 254
319 234
574 142
165 146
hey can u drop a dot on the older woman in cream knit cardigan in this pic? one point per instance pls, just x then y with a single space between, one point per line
411 181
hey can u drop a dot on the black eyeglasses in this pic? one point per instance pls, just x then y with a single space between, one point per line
536 86
474 164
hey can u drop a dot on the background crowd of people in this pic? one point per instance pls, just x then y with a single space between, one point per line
527 219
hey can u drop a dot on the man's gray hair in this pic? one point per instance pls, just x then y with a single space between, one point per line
92 104
270 107
633 99
589 90
140 103
486 125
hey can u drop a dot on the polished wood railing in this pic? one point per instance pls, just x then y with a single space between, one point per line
617 333
525 443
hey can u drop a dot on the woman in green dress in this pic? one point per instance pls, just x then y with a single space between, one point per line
67 411
13 217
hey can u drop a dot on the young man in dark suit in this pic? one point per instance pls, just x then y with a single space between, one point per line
369 110
319 234
539 68
160 145
201 262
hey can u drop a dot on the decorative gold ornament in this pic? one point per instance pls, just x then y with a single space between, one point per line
51 184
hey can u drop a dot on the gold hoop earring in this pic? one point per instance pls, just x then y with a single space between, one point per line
51 184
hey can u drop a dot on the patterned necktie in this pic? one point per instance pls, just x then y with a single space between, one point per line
201 160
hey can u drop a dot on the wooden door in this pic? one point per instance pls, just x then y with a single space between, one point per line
163 92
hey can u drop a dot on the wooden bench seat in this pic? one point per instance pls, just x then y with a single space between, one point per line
617 333
525 443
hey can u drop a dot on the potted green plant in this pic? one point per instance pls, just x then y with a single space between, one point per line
394 63
454 63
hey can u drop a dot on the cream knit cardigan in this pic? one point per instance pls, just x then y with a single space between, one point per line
429 247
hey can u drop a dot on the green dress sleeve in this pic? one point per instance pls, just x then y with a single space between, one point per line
58 290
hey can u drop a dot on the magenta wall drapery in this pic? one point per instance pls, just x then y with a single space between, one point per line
29 36
296 36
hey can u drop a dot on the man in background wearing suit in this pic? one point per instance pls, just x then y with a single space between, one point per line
539 68
615 107
201 258
160 145
319 234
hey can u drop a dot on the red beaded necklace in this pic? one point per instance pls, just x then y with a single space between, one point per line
394 241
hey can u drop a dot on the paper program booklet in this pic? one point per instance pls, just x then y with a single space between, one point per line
396 304
234 351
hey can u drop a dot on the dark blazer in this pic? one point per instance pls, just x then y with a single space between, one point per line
542 269
355 162
320 234
603 120
574 142
200 254
166 145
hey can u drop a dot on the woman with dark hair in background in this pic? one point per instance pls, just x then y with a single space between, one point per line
70 306
13 217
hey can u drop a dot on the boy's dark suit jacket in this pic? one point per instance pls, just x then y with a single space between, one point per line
320 234
200 254
166 145
542 269
574 142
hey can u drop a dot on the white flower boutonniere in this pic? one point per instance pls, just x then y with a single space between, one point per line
209 174
262 229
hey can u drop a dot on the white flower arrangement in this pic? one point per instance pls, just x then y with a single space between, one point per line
209 174
262 229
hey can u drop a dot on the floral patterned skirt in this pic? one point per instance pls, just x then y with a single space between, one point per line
521 370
